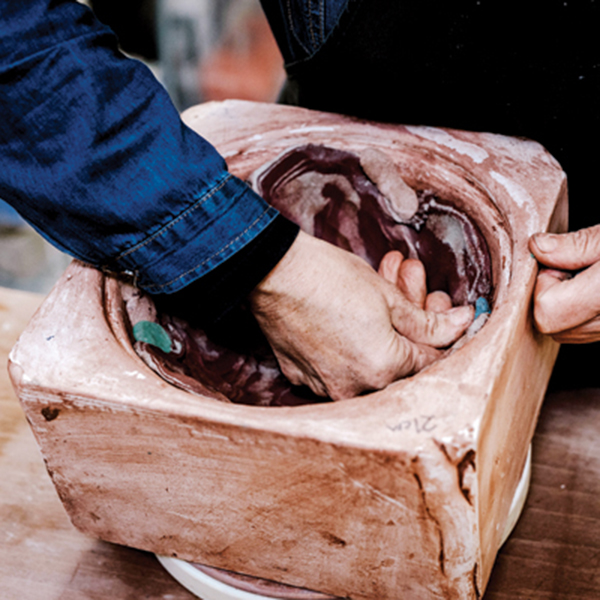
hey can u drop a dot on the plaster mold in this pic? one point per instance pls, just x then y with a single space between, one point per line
403 493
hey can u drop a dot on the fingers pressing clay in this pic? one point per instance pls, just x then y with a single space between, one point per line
439 324
567 307
410 277
582 334
344 343
438 302
389 267
570 251
434 329
412 281
568 304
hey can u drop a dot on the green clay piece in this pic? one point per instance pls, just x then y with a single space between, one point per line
152 333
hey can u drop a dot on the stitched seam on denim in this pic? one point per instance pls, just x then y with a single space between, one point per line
163 285
311 28
176 220
322 21
292 28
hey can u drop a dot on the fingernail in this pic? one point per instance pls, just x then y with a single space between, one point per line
546 242
461 315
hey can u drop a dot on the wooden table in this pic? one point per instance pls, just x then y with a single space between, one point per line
554 552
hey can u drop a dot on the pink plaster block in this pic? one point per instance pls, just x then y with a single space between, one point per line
398 494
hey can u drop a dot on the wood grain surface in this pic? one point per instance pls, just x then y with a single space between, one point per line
554 552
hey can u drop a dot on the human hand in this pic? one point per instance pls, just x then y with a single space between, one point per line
567 307
338 327
409 276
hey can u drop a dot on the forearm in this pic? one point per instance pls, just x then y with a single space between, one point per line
95 156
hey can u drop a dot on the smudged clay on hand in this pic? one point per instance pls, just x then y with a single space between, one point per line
338 327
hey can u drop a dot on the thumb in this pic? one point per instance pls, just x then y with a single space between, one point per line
431 328
569 251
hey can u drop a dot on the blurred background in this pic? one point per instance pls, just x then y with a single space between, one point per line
200 50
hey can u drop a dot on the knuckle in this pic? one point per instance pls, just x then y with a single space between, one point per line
544 313
586 242
409 365
426 357
294 375
379 372
434 328
435 325
382 378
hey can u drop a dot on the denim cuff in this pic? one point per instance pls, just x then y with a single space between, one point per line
208 232
208 300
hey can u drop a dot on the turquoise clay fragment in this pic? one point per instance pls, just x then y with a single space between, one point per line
481 307
152 333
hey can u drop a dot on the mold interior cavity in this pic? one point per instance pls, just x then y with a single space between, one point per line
357 201
328 192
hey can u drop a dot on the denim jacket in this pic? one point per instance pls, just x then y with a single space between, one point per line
94 155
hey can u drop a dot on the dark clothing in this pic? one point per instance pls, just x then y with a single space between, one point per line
479 65
475 65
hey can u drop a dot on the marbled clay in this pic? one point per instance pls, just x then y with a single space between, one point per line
328 192
357 201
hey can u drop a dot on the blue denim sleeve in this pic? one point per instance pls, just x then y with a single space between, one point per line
94 155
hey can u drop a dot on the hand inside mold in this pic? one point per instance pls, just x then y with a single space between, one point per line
409 276
567 304
335 324
341 329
